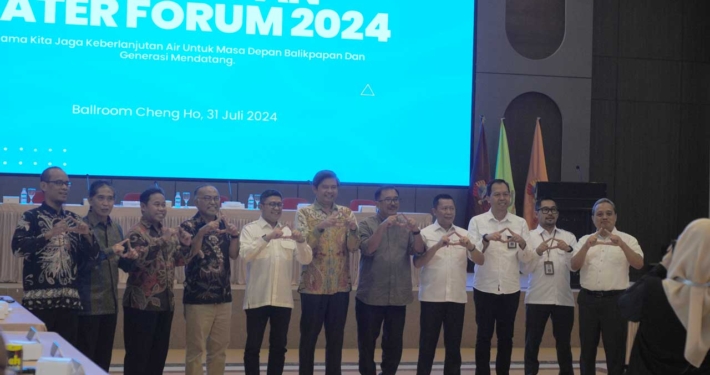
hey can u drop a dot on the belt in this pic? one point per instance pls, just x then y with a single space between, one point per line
600 293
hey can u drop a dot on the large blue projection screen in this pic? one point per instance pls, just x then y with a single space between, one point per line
377 90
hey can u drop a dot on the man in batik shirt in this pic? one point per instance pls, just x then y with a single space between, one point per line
208 291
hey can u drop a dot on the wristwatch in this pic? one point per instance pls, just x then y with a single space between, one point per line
484 238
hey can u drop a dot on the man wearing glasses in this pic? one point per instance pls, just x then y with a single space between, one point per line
208 289
504 239
549 293
388 240
54 243
603 259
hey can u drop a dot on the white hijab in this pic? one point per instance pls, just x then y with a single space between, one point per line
686 287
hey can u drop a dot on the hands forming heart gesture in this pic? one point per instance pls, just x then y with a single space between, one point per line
604 237
498 236
551 244
120 250
401 220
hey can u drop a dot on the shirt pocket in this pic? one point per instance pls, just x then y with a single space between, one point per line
287 248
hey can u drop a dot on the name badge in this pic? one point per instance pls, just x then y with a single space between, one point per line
549 268
512 245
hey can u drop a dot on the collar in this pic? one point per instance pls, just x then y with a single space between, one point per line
93 219
45 207
541 230
438 226
319 207
491 217
199 220
265 224
158 227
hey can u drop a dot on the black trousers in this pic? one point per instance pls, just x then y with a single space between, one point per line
370 320
147 338
95 338
65 322
535 321
600 315
433 316
318 310
494 311
279 319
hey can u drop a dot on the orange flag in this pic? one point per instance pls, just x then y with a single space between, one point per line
537 171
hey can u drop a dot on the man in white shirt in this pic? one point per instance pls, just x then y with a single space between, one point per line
496 286
442 286
603 259
549 293
268 247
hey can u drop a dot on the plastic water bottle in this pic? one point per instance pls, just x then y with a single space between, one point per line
178 199
23 196
250 202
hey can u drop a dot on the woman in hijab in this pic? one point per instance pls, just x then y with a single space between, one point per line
672 304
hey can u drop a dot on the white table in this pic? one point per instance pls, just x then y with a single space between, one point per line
20 319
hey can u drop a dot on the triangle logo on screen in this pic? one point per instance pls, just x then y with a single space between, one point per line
367 91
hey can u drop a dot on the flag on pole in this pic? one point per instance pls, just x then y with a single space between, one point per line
503 169
480 175
537 171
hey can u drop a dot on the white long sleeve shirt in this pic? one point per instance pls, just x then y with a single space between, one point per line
270 265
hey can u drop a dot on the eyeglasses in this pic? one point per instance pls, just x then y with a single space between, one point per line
274 204
390 200
60 183
547 210
209 199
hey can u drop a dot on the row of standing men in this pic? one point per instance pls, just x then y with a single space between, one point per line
71 271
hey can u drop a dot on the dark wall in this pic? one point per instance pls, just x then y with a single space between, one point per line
651 114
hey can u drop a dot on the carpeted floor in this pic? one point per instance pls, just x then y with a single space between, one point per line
548 363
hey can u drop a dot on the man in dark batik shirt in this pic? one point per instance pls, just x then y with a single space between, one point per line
54 244
208 291
149 302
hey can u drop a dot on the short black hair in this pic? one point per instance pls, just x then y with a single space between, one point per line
322 175
145 196
379 191
440 197
45 173
489 188
539 201
204 186
96 185
269 193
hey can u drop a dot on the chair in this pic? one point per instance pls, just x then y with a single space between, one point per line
132 197
356 203
39 197
223 198
292 203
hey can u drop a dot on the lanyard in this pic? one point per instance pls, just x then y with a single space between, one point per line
554 233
